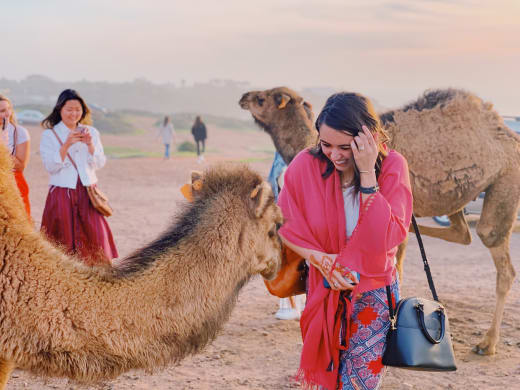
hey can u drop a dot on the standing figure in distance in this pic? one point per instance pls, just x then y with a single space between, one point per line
200 134
167 133
289 308
347 205
18 141
69 218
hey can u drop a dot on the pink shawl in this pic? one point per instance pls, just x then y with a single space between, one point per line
315 219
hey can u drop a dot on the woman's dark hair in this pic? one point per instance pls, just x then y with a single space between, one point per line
166 120
55 116
348 112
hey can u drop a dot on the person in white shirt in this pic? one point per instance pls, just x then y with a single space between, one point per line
18 141
167 133
69 217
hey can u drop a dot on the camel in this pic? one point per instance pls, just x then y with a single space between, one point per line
60 318
456 145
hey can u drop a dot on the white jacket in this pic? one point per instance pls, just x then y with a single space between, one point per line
63 173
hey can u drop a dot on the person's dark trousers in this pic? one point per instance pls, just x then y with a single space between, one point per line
203 146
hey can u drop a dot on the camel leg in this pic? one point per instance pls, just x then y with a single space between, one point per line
399 256
494 229
6 367
458 231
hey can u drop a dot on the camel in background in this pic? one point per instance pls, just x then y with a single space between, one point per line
167 300
456 145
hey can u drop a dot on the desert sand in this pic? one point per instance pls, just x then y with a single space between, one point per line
254 350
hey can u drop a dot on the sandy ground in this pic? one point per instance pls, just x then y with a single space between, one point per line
254 350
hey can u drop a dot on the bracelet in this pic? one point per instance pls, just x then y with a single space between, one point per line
369 190
373 170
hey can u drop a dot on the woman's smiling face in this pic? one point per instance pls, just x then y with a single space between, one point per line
71 113
5 110
336 146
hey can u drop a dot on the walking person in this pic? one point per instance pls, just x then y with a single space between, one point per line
167 133
347 205
200 134
18 141
71 152
289 308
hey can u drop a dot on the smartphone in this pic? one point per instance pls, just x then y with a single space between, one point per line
350 280
3 123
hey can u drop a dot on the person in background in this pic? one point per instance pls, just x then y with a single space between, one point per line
71 152
18 141
200 134
347 205
167 133
289 308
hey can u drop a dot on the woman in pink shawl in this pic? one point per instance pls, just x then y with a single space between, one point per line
347 205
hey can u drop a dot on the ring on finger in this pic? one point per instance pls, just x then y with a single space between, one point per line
361 147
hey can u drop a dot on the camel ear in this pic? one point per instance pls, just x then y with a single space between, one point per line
261 197
308 110
195 175
281 100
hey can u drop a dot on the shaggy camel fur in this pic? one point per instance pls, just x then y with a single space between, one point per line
456 146
162 303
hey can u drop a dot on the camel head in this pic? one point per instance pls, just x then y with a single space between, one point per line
250 211
285 116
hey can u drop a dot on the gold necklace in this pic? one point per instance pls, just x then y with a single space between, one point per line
347 184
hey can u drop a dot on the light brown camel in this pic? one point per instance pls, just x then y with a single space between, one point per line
456 146
162 303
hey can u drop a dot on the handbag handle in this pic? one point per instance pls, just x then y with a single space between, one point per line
419 309
426 270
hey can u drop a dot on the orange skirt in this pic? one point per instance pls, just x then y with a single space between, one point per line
24 190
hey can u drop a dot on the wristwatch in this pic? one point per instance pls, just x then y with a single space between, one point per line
369 190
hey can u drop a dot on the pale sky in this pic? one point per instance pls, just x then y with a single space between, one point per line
389 50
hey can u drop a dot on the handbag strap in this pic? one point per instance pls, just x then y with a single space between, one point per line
425 261
15 140
426 270
68 155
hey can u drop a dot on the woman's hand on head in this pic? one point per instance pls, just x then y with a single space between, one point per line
365 149
324 263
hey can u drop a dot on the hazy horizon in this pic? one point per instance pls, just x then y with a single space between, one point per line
389 50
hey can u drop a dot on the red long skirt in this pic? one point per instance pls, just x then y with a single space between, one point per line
23 187
70 219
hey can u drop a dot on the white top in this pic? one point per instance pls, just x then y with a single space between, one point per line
167 133
7 136
351 205
63 173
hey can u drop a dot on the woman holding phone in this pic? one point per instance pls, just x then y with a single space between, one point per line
71 152
347 205
18 141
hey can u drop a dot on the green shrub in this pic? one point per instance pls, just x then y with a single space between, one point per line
187 146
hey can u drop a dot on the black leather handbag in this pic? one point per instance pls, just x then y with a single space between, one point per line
419 335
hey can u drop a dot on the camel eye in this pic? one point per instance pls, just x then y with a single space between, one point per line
260 101
271 233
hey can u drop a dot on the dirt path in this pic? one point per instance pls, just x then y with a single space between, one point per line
254 350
